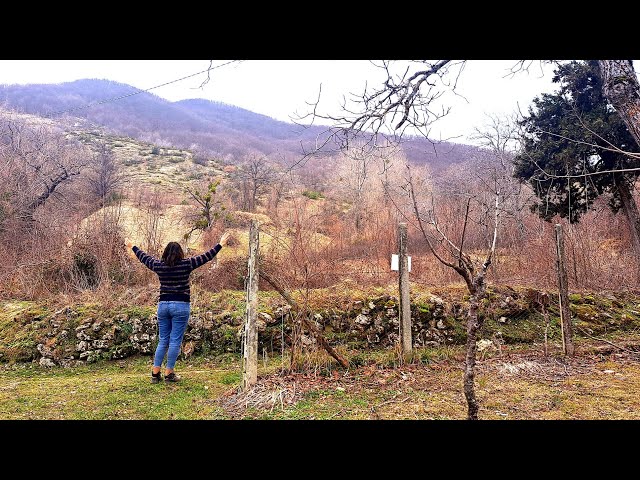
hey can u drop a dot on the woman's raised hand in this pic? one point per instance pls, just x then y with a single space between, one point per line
224 239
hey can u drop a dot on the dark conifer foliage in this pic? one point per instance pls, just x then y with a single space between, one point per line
568 136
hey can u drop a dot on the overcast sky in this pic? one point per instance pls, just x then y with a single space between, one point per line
280 88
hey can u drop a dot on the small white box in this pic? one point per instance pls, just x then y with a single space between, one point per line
395 262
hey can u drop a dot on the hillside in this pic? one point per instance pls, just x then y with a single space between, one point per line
221 130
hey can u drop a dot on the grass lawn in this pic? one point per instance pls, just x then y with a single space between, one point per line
518 383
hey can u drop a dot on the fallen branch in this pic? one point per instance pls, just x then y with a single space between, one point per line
309 325
607 341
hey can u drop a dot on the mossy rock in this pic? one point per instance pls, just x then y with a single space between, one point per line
586 313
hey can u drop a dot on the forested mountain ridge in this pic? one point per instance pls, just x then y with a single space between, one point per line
217 129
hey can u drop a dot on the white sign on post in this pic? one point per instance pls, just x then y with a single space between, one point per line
395 262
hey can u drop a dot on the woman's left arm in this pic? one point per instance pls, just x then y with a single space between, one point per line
207 256
147 260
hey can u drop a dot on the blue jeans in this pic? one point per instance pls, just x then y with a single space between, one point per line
172 323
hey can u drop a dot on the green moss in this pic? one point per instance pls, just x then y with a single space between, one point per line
357 360
423 308
585 313
20 330
142 312
231 378
575 298
312 194
459 333
123 332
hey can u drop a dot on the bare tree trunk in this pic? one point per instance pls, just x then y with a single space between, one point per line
563 287
250 357
254 196
621 87
50 189
473 325
630 209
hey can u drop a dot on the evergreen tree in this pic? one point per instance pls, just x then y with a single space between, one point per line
576 132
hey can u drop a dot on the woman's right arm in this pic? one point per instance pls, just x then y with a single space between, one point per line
207 256
146 259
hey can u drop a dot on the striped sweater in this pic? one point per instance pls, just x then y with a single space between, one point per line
174 281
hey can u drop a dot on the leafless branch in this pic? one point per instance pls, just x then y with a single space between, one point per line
607 341
421 225
492 250
208 75
402 101
211 67
525 65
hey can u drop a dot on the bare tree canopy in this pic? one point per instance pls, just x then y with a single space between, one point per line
404 103
38 162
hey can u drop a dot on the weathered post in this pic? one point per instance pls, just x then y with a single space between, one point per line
250 354
566 326
405 303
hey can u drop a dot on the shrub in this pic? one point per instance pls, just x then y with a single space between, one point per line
200 160
312 194
85 269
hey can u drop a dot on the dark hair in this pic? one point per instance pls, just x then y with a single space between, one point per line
172 253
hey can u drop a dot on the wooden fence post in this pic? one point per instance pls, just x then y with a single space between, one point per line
565 312
250 354
405 301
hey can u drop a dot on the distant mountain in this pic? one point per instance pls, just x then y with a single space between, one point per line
219 129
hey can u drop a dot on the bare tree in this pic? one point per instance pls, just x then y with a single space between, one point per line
40 161
152 204
355 178
500 137
209 208
105 177
471 266
252 178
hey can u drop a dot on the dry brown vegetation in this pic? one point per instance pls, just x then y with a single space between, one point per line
331 220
